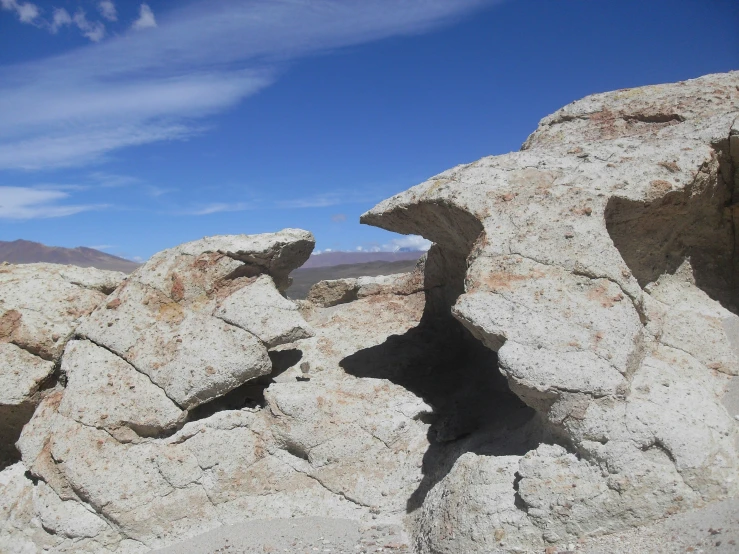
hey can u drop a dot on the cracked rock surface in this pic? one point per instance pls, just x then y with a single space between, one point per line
188 320
113 463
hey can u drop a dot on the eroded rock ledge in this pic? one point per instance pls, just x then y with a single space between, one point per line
604 275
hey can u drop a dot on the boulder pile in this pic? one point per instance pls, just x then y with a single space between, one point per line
562 364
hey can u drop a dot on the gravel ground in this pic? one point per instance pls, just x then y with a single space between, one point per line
306 535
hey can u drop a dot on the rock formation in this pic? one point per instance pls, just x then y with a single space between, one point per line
601 266
555 368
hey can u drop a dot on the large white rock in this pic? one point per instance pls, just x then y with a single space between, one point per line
196 321
193 356
599 264
119 467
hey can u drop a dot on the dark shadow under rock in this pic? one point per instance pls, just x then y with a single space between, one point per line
441 362
13 419
696 223
251 393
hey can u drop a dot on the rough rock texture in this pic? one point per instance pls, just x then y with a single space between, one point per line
601 266
119 466
188 318
40 307
560 368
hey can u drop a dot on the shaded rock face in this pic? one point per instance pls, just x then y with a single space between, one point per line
604 277
557 366
40 308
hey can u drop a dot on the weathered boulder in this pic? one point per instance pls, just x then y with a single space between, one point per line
121 465
40 307
600 264
340 291
187 317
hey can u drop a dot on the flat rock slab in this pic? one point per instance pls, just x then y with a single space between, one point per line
104 391
260 309
298 535
192 355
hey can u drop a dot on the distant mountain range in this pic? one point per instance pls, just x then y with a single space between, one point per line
327 259
27 252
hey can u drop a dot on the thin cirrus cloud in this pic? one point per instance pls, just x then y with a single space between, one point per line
332 198
217 207
153 84
30 203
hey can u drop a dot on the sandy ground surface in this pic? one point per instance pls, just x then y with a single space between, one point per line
713 529
710 530
306 535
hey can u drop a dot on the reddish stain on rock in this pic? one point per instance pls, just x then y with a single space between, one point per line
177 292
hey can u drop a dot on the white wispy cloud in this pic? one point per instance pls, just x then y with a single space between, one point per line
60 150
60 19
31 14
102 246
332 198
105 179
31 203
318 201
156 192
26 11
409 243
107 10
146 18
203 57
94 30
215 208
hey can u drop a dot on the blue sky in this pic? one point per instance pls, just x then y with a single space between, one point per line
133 127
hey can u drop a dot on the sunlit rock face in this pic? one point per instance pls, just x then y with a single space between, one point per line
601 266
556 367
